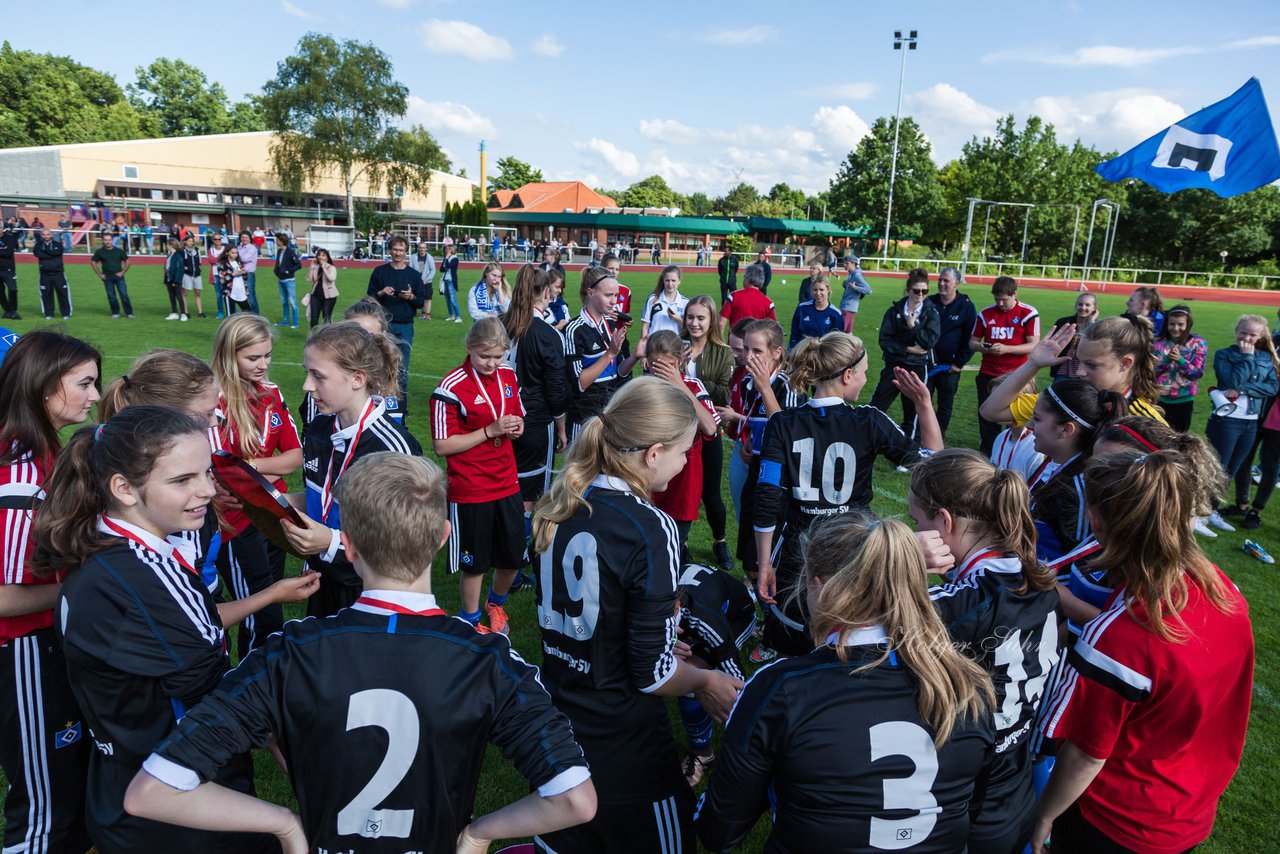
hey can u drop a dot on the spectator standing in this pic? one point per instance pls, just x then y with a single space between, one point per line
173 282
552 262
288 263
449 281
727 269
231 280
664 309
805 294
191 280
656 253
749 303
762 259
323 277
956 316
1146 302
53 276
249 262
425 266
908 333
110 263
398 289
1004 332
1180 362
64 232
215 251
815 317
491 295
855 288
9 240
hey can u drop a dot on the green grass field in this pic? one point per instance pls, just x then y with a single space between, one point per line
1245 817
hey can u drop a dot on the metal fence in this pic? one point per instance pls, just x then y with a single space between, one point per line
1076 273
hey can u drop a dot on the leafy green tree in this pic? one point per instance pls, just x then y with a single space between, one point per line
51 100
246 116
789 202
698 204
651 192
859 194
514 174
742 199
1189 229
337 106
179 98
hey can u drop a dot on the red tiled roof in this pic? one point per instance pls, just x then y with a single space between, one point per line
550 197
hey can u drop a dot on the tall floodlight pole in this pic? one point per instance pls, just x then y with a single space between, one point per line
898 41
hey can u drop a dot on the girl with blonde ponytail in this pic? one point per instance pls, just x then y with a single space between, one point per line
607 565
884 696
1000 607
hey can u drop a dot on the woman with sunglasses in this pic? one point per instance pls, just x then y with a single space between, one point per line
908 332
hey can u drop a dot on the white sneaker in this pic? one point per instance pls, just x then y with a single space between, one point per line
183 318
171 316
1204 530
902 470
1215 519
457 319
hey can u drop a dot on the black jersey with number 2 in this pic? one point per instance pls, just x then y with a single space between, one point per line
845 758
606 608
383 719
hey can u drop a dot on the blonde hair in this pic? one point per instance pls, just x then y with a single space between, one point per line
488 332
1264 340
160 378
1128 335
367 307
817 360
394 511
504 288
645 412
664 342
1148 500
235 334
995 501
1146 434
356 350
713 327
874 574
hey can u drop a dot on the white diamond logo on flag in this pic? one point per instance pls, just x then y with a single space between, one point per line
1196 152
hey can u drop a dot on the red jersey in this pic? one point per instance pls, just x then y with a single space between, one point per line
683 494
277 433
1014 326
747 303
20 491
624 298
1168 718
466 401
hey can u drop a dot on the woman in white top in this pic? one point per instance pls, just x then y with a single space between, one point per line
491 295
665 307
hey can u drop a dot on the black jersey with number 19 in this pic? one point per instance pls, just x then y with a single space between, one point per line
606 608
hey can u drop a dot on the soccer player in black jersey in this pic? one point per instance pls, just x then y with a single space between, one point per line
596 348
406 742
816 462
1001 606
537 355
717 616
606 589
348 371
874 740
143 638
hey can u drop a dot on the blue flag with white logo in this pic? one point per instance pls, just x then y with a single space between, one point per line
1228 147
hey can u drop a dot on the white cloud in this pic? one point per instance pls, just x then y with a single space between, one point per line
944 103
844 91
1256 41
658 163
741 38
669 131
547 46
449 116
621 161
460 38
839 127
1107 119
395 4
296 11
1113 56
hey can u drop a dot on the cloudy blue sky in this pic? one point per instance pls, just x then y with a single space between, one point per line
707 93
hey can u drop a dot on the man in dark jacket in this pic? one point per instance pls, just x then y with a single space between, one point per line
763 261
398 288
53 277
908 334
728 270
956 313
9 239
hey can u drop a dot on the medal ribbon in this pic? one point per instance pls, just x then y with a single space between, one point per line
125 533
326 492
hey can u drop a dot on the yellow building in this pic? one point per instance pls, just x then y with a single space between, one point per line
219 180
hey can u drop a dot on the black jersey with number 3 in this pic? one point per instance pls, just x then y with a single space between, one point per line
383 719
818 461
606 608
846 758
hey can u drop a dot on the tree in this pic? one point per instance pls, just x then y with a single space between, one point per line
742 199
1189 229
51 100
336 106
514 174
247 116
859 194
179 98
788 202
698 204
651 192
